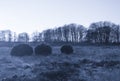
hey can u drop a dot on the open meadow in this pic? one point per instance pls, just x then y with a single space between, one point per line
87 63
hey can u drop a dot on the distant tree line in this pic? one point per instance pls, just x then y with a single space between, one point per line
67 33
102 32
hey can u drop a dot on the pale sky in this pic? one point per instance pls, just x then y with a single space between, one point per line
32 15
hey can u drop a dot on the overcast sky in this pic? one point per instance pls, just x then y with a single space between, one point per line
32 15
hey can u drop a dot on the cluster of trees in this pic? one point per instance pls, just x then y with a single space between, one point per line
98 32
9 36
67 33
103 32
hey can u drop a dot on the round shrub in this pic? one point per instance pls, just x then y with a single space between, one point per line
67 49
22 50
43 49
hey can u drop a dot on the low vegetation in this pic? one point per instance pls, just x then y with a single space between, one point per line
95 64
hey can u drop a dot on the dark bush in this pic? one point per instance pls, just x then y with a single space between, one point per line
43 49
67 49
22 50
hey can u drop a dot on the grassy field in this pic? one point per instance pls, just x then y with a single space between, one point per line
87 63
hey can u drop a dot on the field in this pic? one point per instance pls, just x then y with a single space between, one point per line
87 63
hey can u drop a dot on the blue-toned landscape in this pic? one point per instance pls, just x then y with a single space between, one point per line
59 40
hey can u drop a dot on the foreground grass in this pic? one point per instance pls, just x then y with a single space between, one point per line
88 63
